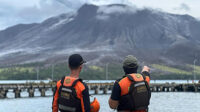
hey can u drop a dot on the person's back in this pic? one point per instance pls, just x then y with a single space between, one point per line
131 93
126 100
71 94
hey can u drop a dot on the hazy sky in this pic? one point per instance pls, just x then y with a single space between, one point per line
28 11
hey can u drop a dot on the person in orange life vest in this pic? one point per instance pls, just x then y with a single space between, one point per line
128 98
71 94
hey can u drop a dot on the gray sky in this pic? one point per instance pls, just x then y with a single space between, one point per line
28 11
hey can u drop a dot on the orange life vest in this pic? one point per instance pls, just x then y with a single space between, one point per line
125 84
67 85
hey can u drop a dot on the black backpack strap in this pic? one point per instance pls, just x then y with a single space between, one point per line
118 80
62 80
74 83
130 78
147 85
144 76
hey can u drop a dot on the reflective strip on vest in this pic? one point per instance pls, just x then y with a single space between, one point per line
66 108
139 84
68 90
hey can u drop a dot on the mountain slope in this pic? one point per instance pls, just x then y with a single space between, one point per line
102 32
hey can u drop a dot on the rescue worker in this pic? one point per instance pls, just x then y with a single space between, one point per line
131 93
71 94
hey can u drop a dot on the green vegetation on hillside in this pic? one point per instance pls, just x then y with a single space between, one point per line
29 72
170 69
92 72
197 68
178 72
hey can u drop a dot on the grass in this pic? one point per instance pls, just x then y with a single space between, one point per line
17 69
96 68
197 68
171 69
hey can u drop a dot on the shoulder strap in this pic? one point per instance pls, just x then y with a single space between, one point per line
118 80
74 83
130 78
62 80
144 77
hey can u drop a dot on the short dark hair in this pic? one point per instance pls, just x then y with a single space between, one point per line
74 67
130 70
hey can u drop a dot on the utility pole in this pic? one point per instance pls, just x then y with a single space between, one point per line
106 71
195 60
52 71
37 73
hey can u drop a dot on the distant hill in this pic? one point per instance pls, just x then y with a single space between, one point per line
104 34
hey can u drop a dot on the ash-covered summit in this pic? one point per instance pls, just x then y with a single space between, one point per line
101 32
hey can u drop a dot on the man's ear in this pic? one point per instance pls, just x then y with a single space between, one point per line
81 66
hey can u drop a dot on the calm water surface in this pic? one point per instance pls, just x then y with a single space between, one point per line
160 102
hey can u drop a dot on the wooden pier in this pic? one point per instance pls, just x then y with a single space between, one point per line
97 88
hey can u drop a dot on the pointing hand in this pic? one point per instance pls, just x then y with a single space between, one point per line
146 68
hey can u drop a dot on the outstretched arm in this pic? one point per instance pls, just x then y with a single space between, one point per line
146 73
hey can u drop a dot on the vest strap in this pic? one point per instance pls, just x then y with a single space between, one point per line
144 77
73 84
62 80
131 78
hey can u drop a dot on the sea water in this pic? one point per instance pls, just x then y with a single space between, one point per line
160 102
